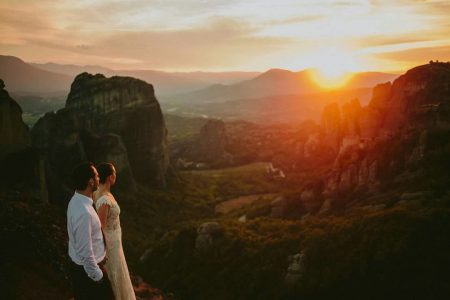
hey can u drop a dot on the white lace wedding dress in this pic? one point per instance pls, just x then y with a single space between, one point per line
116 266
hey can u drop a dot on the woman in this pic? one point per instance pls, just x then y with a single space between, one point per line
108 211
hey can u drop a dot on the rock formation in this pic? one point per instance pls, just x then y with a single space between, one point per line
18 161
331 126
297 268
394 132
212 141
398 116
115 119
206 233
208 149
14 134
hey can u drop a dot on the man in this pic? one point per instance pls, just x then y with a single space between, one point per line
86 246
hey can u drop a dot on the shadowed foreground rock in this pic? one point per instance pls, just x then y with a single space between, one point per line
145 291
14 134
17 160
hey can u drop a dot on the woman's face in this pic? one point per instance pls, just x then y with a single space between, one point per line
113 176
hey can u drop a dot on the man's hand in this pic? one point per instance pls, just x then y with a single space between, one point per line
100 281
103 277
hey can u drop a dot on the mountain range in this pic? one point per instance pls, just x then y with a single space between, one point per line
50 78
254 96
278 82
276 96
23 77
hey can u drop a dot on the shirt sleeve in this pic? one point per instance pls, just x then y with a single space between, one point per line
83 247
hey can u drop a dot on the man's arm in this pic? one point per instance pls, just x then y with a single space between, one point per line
83 247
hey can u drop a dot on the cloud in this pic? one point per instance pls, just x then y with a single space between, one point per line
83 47
295 20
418 55
385 40
219 45
218 34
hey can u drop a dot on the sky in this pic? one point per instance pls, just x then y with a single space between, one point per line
228 35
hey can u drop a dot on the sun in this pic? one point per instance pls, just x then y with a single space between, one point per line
330 78
333 67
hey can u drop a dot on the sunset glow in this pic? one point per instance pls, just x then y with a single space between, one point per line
332 67
329 80
219 35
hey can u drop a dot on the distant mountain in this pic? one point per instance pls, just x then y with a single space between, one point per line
276 82
294 108
182 82
20 77
163 82
270 83
192 87
220 77
72 70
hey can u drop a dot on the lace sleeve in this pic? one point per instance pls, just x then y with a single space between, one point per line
103 200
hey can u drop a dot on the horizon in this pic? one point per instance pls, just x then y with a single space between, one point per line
327 82
334 37
398 72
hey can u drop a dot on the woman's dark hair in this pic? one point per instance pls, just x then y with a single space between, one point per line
104 170
81 175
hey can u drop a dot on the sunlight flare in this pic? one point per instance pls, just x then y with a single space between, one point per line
333 67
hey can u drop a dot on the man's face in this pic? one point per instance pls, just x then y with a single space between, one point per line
95 181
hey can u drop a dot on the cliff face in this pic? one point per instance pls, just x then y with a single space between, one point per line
212 141
331 126
14 134
127 107
393 131
403 133
101 95
17 160
114 119
414 95
208 149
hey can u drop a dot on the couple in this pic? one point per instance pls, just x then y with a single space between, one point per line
98 267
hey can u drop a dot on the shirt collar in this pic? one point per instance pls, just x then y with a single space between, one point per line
85 199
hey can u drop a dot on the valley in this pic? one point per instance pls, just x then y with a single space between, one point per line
344 203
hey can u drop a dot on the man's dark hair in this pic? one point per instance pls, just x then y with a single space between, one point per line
104 170
81 175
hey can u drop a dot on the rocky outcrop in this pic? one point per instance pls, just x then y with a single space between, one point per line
415 95
115 119
392 130
351 131
14 134
206 234
213 141
296 269
208 149
18 162
331 126
388 136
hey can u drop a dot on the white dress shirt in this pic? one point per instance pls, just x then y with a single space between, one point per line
86 246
